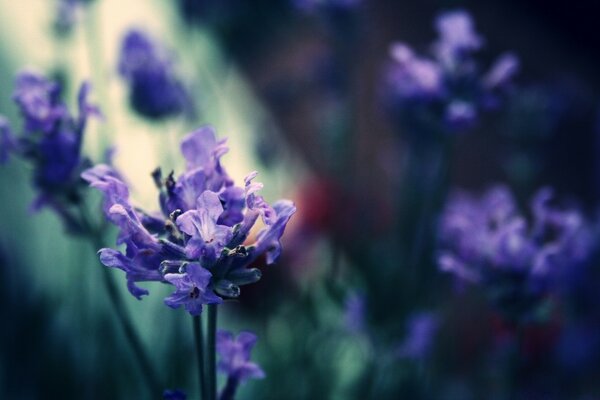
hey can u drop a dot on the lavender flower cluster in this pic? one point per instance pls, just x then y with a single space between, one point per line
197 242
155 91
488 241
51 139
447 87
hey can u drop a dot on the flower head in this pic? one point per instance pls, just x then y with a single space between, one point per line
355 312
234 355
191 289
197 242
51 140
457 36
154 90
488 241
421 330
445 92
38 99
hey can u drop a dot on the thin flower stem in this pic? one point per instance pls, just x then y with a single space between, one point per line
199 339
119 307
230 389
131 333
211 349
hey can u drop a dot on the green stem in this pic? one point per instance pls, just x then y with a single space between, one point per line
199 339
211 352
119 307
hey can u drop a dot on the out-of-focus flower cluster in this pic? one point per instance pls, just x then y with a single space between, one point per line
155 91
447 91
197 242
488 241
51 139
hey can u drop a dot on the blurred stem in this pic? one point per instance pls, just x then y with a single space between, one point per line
199 339
119 307
429 193
93 33
515 373
211 352
230 389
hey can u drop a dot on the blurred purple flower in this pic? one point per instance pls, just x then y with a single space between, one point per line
38 99
51 140
234 355
503 70
354 313
457 37
444 92
154 90
413 77
421 331
488 241
197 242
460 115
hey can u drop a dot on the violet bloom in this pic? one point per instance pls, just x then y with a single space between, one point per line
354 313
191 289
421 331
38 99
488 241
457 37
445 92
51 140
234 353
197 241
154 90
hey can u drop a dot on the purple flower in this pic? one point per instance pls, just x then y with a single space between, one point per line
444 92
354 313
234 355
154 90
460 115
207 238
488 241
457 36
268 238
197 240
202 152
421 331
51 140
39 101
413 77
502 71
192 289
